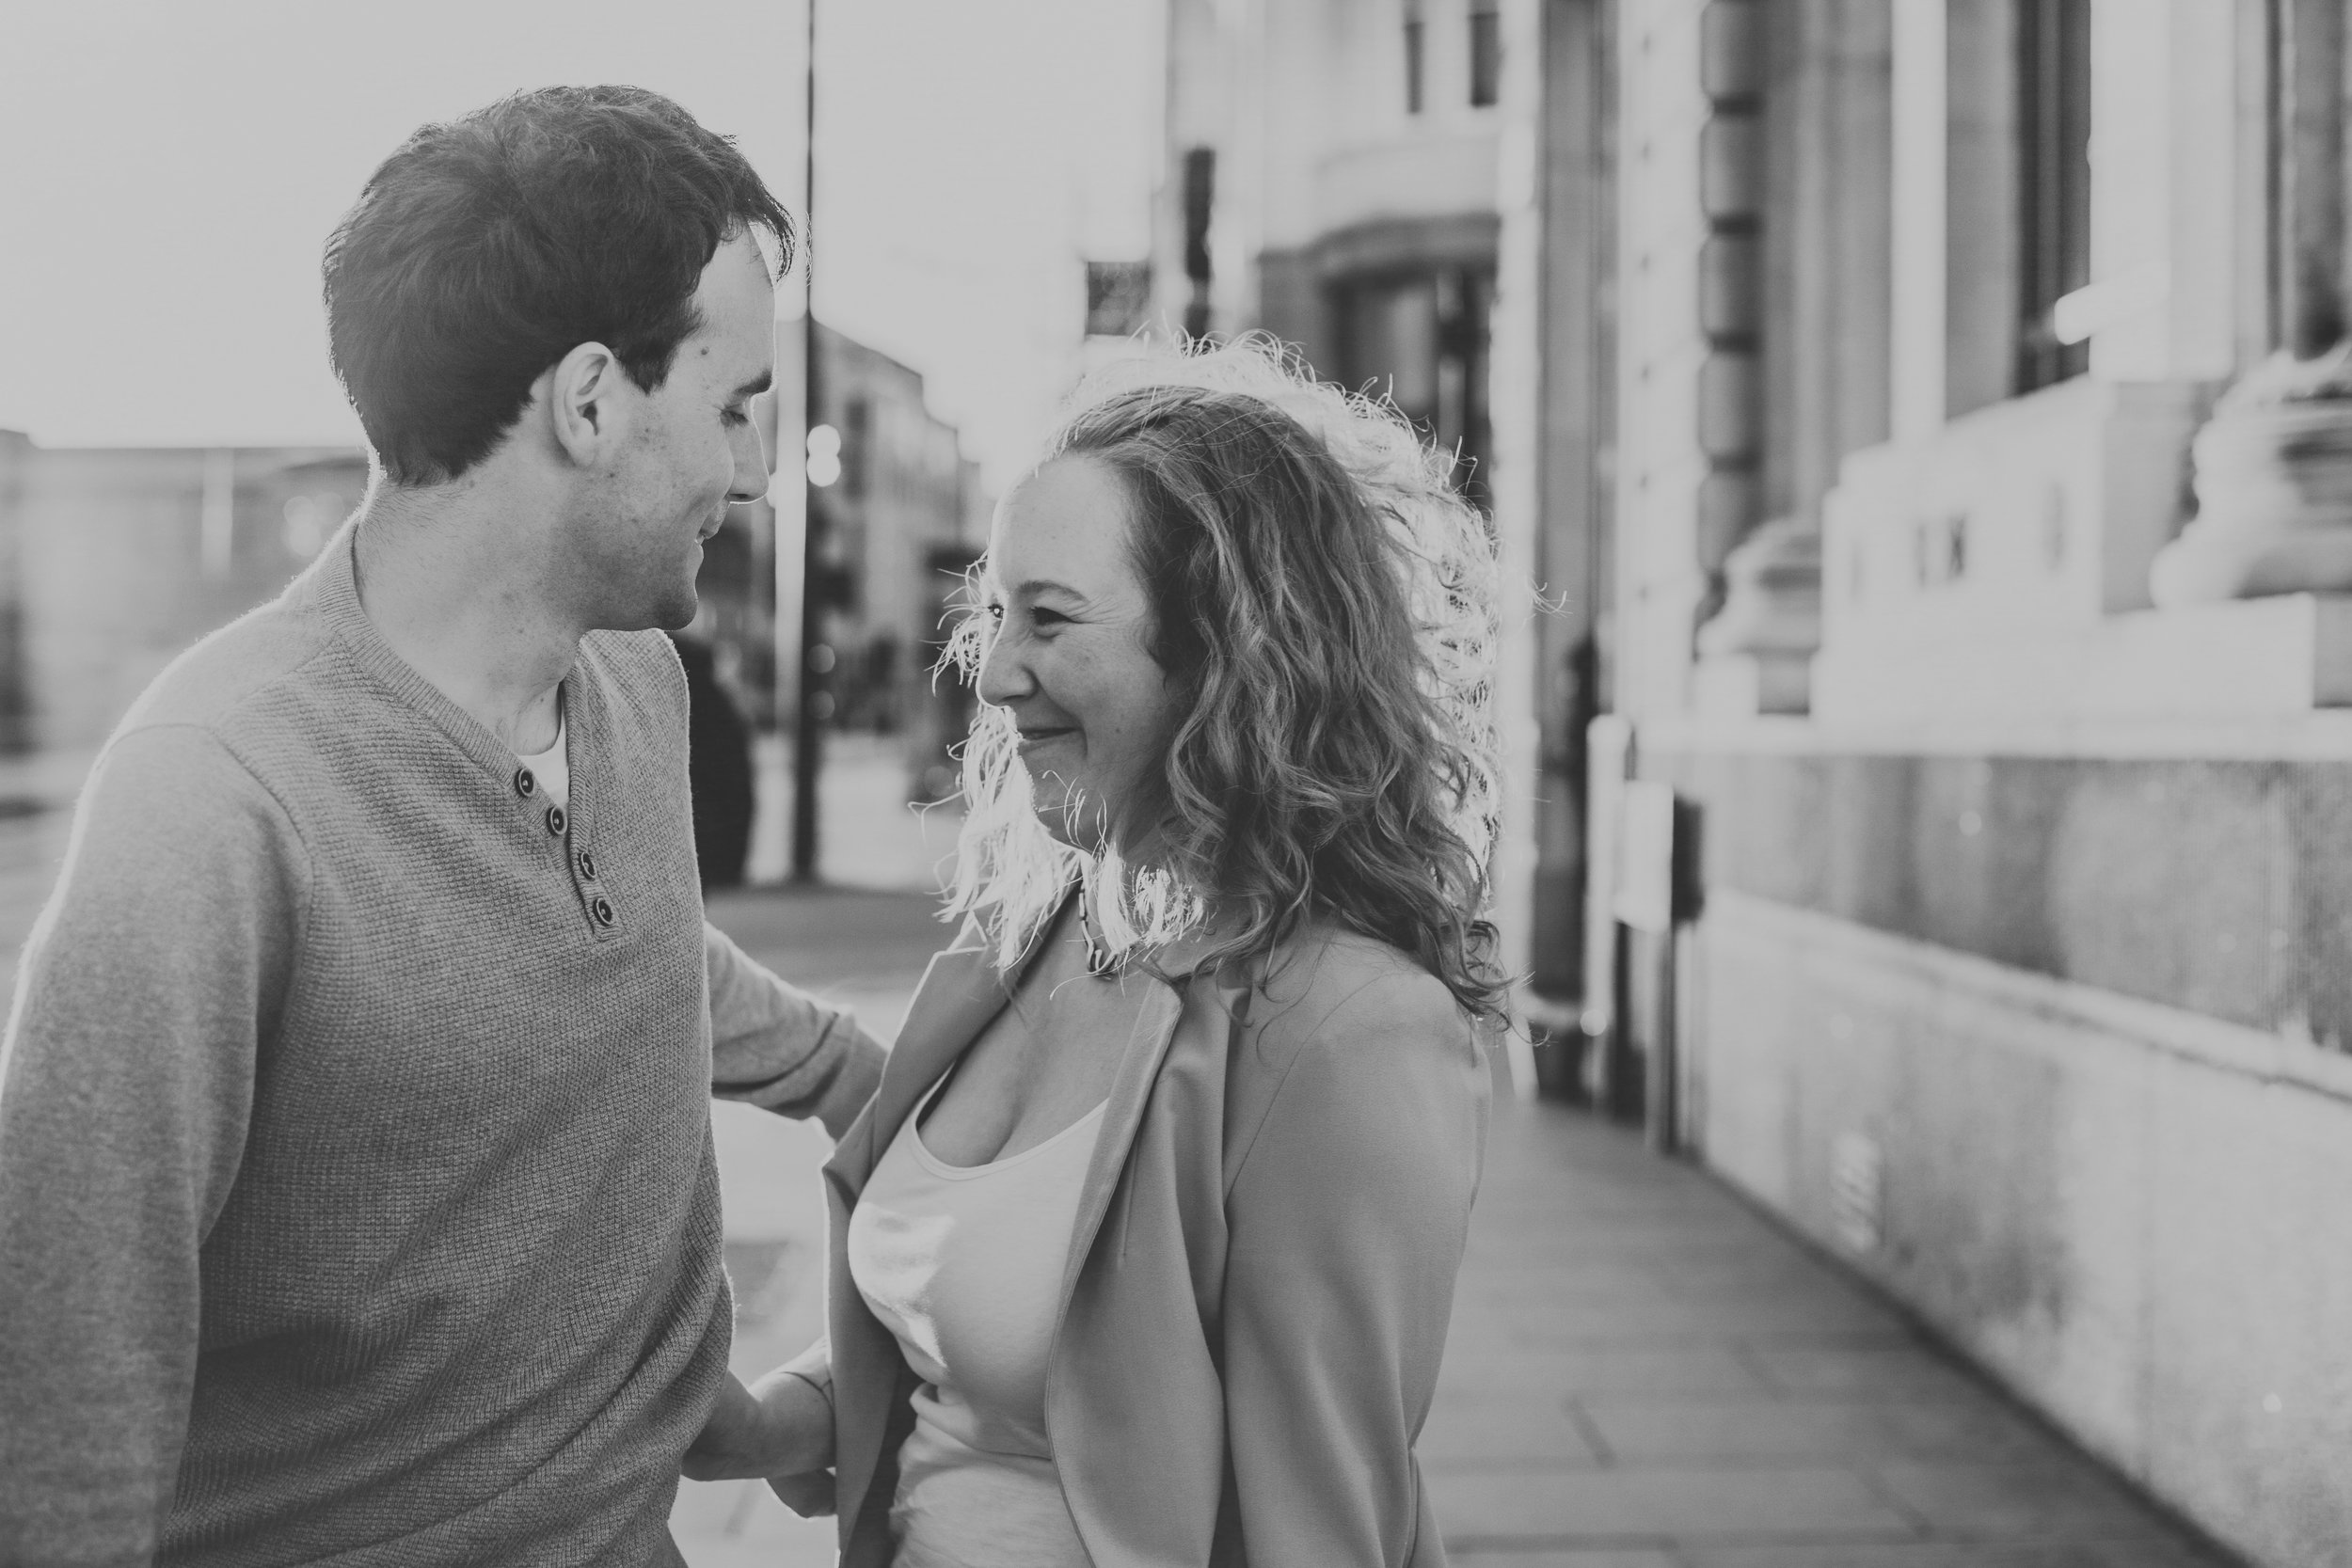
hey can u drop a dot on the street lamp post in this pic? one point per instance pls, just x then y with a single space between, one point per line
807 724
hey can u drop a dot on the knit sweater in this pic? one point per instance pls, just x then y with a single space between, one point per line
357 1203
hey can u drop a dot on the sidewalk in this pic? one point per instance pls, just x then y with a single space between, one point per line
861 950
1645 1373
1642 1372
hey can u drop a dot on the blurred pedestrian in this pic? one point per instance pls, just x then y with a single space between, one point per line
1145 1250
356 1192
719 766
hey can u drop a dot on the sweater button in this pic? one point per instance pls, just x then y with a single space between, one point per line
524 785
555 820
587 867
603 908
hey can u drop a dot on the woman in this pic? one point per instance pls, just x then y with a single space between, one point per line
1144 1251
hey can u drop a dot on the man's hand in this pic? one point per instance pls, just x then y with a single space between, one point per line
782 1427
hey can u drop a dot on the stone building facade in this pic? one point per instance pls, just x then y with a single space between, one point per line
1992 662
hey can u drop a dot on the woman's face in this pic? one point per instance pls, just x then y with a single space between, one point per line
1070 655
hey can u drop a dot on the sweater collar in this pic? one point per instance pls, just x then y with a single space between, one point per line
330 588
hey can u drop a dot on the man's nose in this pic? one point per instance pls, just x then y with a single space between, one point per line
752 468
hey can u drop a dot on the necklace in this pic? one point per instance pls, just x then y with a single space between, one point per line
1101 961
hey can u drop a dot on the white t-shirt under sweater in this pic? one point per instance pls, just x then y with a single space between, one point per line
553 769
963 1264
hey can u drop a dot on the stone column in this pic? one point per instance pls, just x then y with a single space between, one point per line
1691 199
1552 416
1818 307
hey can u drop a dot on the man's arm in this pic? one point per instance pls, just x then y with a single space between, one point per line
777 1047
126 1080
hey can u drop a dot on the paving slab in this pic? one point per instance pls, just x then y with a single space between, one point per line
1644 1369
1612 1504
1649 1431
1605 1556
1945 1554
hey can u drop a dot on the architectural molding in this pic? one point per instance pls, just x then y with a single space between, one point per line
1868 959
1406 245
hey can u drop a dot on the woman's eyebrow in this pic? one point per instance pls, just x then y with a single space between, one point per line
1035 586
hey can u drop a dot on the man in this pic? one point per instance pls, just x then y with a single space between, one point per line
356 1192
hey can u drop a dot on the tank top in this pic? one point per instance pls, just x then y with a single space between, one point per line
963 1264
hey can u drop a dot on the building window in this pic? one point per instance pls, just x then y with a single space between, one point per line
1486 53
1199 206
2053 181
1414 35
1419 338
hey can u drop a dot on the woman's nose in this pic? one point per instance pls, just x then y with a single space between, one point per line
1005 677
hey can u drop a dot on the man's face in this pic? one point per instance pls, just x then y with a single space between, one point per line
691 448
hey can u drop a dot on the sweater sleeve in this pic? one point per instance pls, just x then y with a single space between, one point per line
1346 1223
775 1046
126 1078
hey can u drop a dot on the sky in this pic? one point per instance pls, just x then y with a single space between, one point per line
170 169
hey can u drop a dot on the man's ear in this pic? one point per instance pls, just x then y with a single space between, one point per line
583 393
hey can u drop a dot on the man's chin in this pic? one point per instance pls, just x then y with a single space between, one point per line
670 612
675 610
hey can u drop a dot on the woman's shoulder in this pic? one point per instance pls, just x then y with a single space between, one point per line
1349 1039
1333 988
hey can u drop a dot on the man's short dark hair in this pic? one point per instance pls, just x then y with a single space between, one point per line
489 246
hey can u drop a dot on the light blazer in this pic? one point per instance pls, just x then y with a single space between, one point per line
1261 1274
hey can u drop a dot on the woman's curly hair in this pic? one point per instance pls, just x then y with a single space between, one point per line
1326 610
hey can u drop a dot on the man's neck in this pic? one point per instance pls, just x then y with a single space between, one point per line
450 580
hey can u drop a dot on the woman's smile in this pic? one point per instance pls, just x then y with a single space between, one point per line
1070 658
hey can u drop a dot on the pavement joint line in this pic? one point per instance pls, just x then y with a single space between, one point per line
1688 1464
1468 1542
1670 1339
1512 1465
1744 1354
1590 1431
1875 1484
1533 1544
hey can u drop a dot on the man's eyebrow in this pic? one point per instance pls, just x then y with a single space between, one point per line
755 386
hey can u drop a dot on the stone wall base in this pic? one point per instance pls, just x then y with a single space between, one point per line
2132 1214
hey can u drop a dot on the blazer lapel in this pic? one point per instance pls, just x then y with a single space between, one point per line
1122 1115
959 994
1172 975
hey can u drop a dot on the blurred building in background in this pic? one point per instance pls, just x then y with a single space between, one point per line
1335 176
113 560
1932 419
901 517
